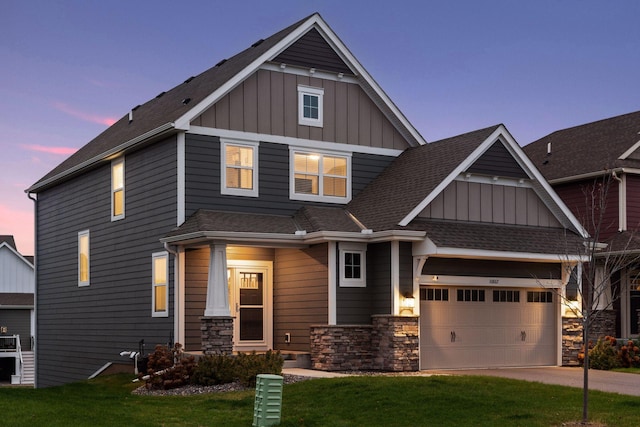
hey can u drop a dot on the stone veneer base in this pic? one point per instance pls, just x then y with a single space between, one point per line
217 335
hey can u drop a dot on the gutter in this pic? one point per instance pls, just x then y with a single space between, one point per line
593 175
159 131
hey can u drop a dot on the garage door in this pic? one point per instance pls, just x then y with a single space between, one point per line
484 327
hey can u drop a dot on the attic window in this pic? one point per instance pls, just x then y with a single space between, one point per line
310 105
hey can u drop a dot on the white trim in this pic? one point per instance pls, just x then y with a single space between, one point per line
320 197
249 192
181 190
395 277
159 255
178 292
332 283
630 151
490 282
82 234
354 248
114 189
316 21
99 371
484 179
300 71
8 246
622 203
287 140
503 135
317 92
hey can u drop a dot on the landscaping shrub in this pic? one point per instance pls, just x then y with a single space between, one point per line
168 368
604 355
629 354
244 368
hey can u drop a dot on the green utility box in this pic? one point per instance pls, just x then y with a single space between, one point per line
268 404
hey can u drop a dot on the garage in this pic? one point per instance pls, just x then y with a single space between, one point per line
484 327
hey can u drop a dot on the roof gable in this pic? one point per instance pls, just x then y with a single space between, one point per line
497 161
173 110
588 149
312 51
8 248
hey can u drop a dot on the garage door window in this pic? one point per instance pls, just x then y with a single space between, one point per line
539 296
506 296
471 295
434 294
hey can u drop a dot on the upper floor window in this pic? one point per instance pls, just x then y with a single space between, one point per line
117 189
353 267
320 177
310 105
240 170
83 258
160 284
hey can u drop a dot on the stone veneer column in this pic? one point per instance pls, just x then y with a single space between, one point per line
397 343
604 325
217 335
341 347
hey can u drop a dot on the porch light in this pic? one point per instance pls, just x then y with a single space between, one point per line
408 301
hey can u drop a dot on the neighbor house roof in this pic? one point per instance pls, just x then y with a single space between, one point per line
173 110
8 239
16 300
588 149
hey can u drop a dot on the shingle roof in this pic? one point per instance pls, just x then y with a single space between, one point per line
8 239
586 149
166 108
500 237
411 178
16 299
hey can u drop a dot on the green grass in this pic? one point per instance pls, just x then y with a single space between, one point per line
351 401
628 370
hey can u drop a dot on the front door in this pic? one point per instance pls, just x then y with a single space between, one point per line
250 303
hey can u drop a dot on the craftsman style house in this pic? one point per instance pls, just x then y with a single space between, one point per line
280 200
605 153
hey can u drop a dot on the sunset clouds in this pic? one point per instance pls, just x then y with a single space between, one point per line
62 151
87 117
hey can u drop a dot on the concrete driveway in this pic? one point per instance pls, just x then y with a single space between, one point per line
613 382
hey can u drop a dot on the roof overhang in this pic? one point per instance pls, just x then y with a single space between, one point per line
596 174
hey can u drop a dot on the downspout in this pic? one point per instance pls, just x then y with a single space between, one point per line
176 293
35 288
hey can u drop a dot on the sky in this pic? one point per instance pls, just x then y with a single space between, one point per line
68 69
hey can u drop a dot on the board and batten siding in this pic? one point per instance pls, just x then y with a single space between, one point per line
80 329
202 181
267 103
196 278
300 295
16 276
499 204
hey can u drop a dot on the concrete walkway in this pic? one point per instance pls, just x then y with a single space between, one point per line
612 382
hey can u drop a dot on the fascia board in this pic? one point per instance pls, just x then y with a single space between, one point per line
160 130
183 122
501 255
532 171
452 175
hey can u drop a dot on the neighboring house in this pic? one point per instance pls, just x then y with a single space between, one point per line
280 200
17 314
605 152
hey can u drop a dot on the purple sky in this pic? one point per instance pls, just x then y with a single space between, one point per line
69 68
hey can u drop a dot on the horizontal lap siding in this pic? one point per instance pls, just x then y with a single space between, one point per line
379 277
633 202
18 322
267 103
82 328
202 184
300 295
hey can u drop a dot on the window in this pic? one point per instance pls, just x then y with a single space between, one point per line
506 296
160 274
83 258
540 296
240 170
320 177
470 295
434 294
310 105
117 189
353 264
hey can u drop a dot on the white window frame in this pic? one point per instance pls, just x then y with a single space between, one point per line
353 248
82 235
253 192
320 197
154 285
114 189
317 92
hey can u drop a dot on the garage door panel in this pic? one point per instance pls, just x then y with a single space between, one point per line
469 334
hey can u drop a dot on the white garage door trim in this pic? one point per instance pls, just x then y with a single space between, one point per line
474 331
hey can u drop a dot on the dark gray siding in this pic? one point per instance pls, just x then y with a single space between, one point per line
18 322
82 328
498 161
353 305
406 268
312 51
379 277
202 183
490 268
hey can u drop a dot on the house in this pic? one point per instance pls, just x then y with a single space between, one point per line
605 153
280 200
17 314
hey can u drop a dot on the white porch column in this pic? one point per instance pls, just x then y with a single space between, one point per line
395 277
217 283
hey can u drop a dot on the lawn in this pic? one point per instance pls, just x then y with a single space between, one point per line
351 401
